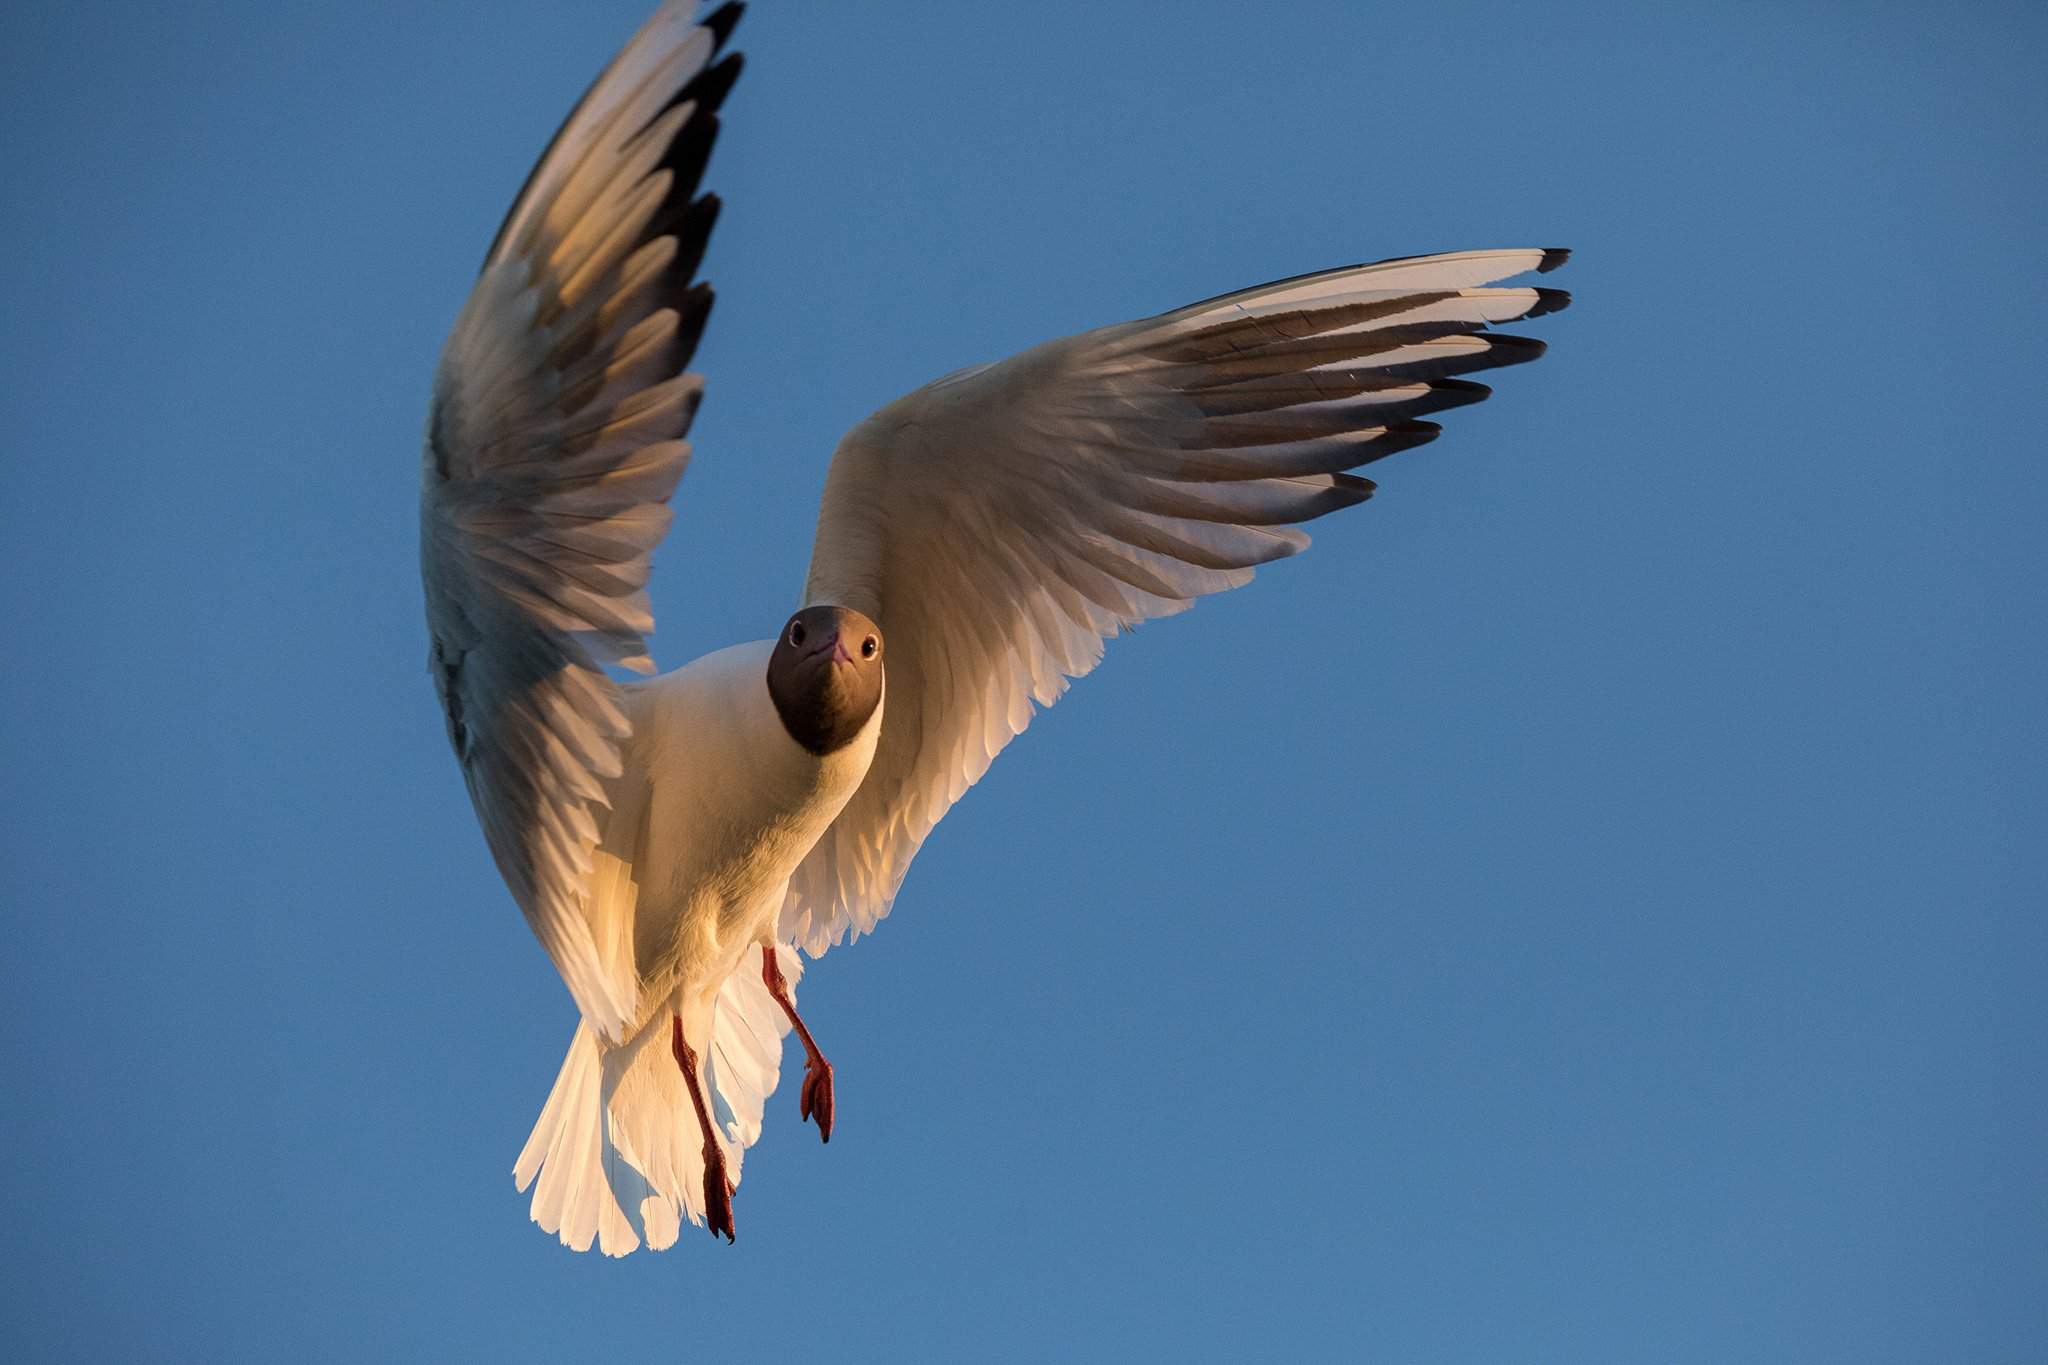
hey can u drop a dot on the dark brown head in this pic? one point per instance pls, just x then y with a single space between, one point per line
825 676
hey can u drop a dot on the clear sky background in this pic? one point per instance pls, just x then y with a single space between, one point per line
1592 907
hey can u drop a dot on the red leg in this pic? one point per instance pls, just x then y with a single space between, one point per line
816 1100
717 1188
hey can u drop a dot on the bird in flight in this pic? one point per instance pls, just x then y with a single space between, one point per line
679 843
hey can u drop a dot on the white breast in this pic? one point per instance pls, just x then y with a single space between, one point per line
716 807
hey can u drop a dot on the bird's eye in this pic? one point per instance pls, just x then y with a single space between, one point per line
868 648
796 632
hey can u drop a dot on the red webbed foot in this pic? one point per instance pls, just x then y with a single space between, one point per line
717 1194
816 1099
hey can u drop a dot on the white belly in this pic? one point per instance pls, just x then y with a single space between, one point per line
715 808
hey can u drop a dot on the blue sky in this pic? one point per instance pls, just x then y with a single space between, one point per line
1590 908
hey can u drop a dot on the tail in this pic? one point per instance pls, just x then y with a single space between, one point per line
616 1148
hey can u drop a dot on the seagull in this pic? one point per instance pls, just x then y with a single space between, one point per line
680 843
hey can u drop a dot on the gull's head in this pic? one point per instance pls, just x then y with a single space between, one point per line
825 676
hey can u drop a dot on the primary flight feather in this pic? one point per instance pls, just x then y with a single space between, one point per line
678 843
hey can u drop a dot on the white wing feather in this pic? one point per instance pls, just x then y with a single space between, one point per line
1002 523
553 446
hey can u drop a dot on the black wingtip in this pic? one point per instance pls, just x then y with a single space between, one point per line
1549 301
691 227
1504 349
1553 257
706 90
1456 393
722 21
1399 436
709 87
693 311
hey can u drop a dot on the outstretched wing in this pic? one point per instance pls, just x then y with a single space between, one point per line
553 446
1003 522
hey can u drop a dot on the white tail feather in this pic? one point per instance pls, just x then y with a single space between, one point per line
616 1148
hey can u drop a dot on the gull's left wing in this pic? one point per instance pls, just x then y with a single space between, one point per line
1003 522
553 446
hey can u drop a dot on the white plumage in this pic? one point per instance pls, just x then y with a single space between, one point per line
670 841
